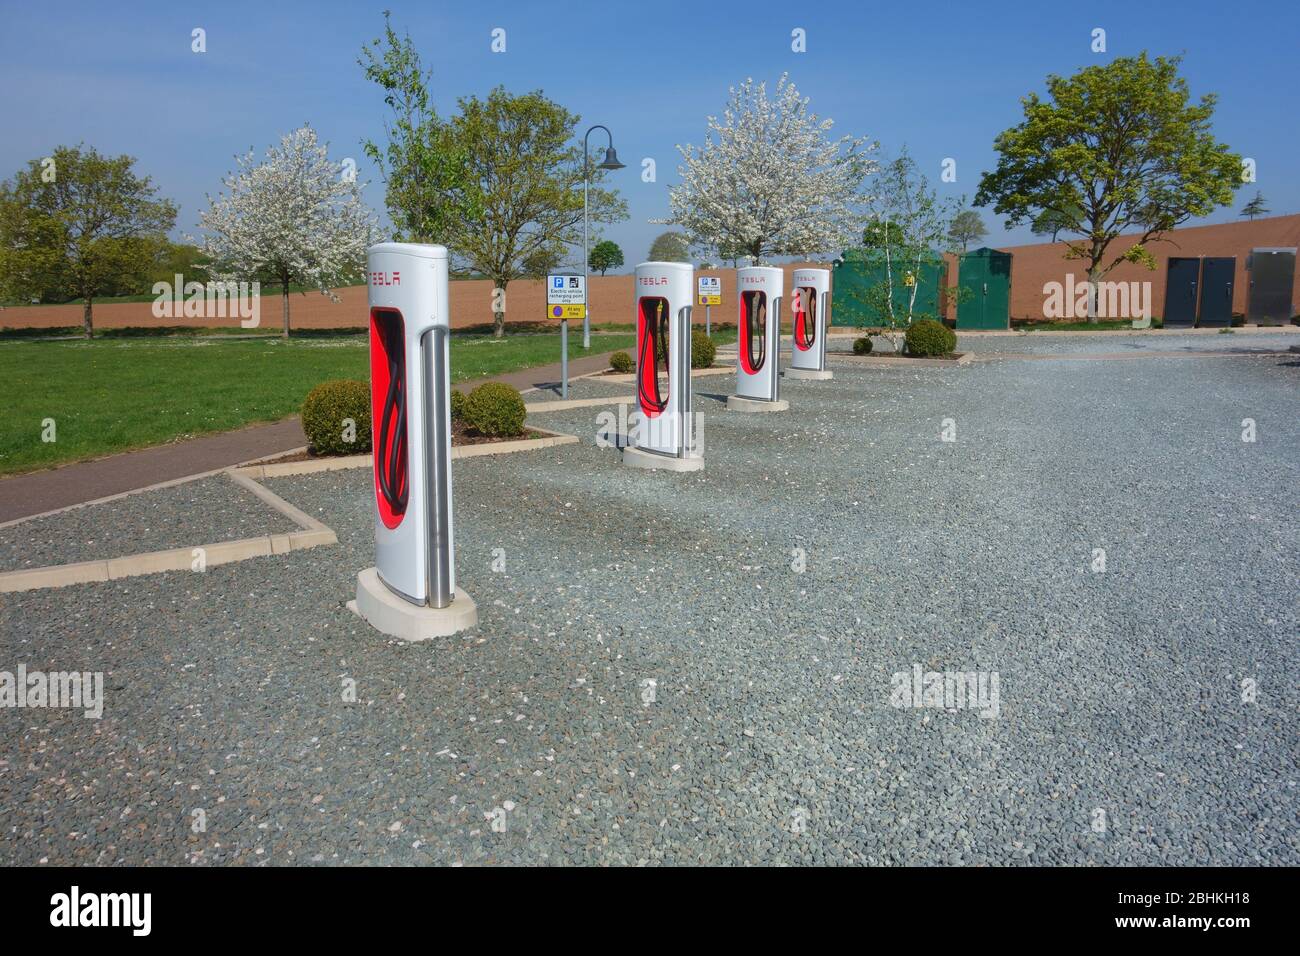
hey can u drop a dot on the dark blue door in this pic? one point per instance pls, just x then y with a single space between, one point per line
1217 276
1180 291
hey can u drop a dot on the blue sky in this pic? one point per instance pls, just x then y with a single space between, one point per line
941 78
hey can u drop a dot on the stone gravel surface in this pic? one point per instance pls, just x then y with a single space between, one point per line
197 512
697 668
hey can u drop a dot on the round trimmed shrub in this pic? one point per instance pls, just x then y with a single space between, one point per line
862 346
334 411
495 409
702 350
457 405
928 337
621 362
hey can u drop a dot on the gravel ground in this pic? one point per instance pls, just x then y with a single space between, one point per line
197 512
1121 735
583 388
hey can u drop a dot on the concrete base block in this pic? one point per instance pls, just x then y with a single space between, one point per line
389 614
809 374
637 458
737 404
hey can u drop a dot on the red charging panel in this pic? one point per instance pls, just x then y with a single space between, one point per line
647 371
756 300
379 359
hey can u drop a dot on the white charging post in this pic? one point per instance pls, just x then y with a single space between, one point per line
660 430
758 345
411 591
811 303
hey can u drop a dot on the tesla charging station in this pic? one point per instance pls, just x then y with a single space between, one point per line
660 428
411 591
811 304
758 346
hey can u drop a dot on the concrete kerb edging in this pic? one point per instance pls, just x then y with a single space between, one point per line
311 533
287 469
870 361
695 373
965 358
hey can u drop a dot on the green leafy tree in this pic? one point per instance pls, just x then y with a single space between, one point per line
674 247
423 167
173 259
1051 222
77 225
1256 207
880 233
523 173
1122 143
967 227
604 256
542 262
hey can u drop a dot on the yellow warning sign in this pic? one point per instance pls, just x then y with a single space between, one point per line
578 311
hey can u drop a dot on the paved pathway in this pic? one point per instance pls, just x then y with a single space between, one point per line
41 491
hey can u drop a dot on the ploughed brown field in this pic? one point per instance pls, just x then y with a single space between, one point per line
610 300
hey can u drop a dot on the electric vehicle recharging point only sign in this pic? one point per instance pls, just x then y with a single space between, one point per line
566 296
710 290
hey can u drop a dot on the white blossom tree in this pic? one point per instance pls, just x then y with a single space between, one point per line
296 217
769 181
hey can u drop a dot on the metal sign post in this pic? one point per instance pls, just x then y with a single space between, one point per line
566 298
564 358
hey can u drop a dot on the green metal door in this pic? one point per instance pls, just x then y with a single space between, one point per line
985 275
855 274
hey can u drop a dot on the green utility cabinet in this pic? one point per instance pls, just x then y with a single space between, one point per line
986 275
855 272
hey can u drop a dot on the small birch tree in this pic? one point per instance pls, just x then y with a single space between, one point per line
910 224
297 217
769 181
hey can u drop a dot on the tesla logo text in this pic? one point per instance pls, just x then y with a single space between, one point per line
651 280
385 278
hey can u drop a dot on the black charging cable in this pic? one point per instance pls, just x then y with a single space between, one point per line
655 331
809 320
753 318
390 451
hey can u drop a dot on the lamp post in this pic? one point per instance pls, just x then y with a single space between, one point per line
610 162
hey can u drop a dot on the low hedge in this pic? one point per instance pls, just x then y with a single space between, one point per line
862 346
621 362
495 409
928 338
702 350
326 413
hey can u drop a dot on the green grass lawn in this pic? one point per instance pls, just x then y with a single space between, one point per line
117 393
